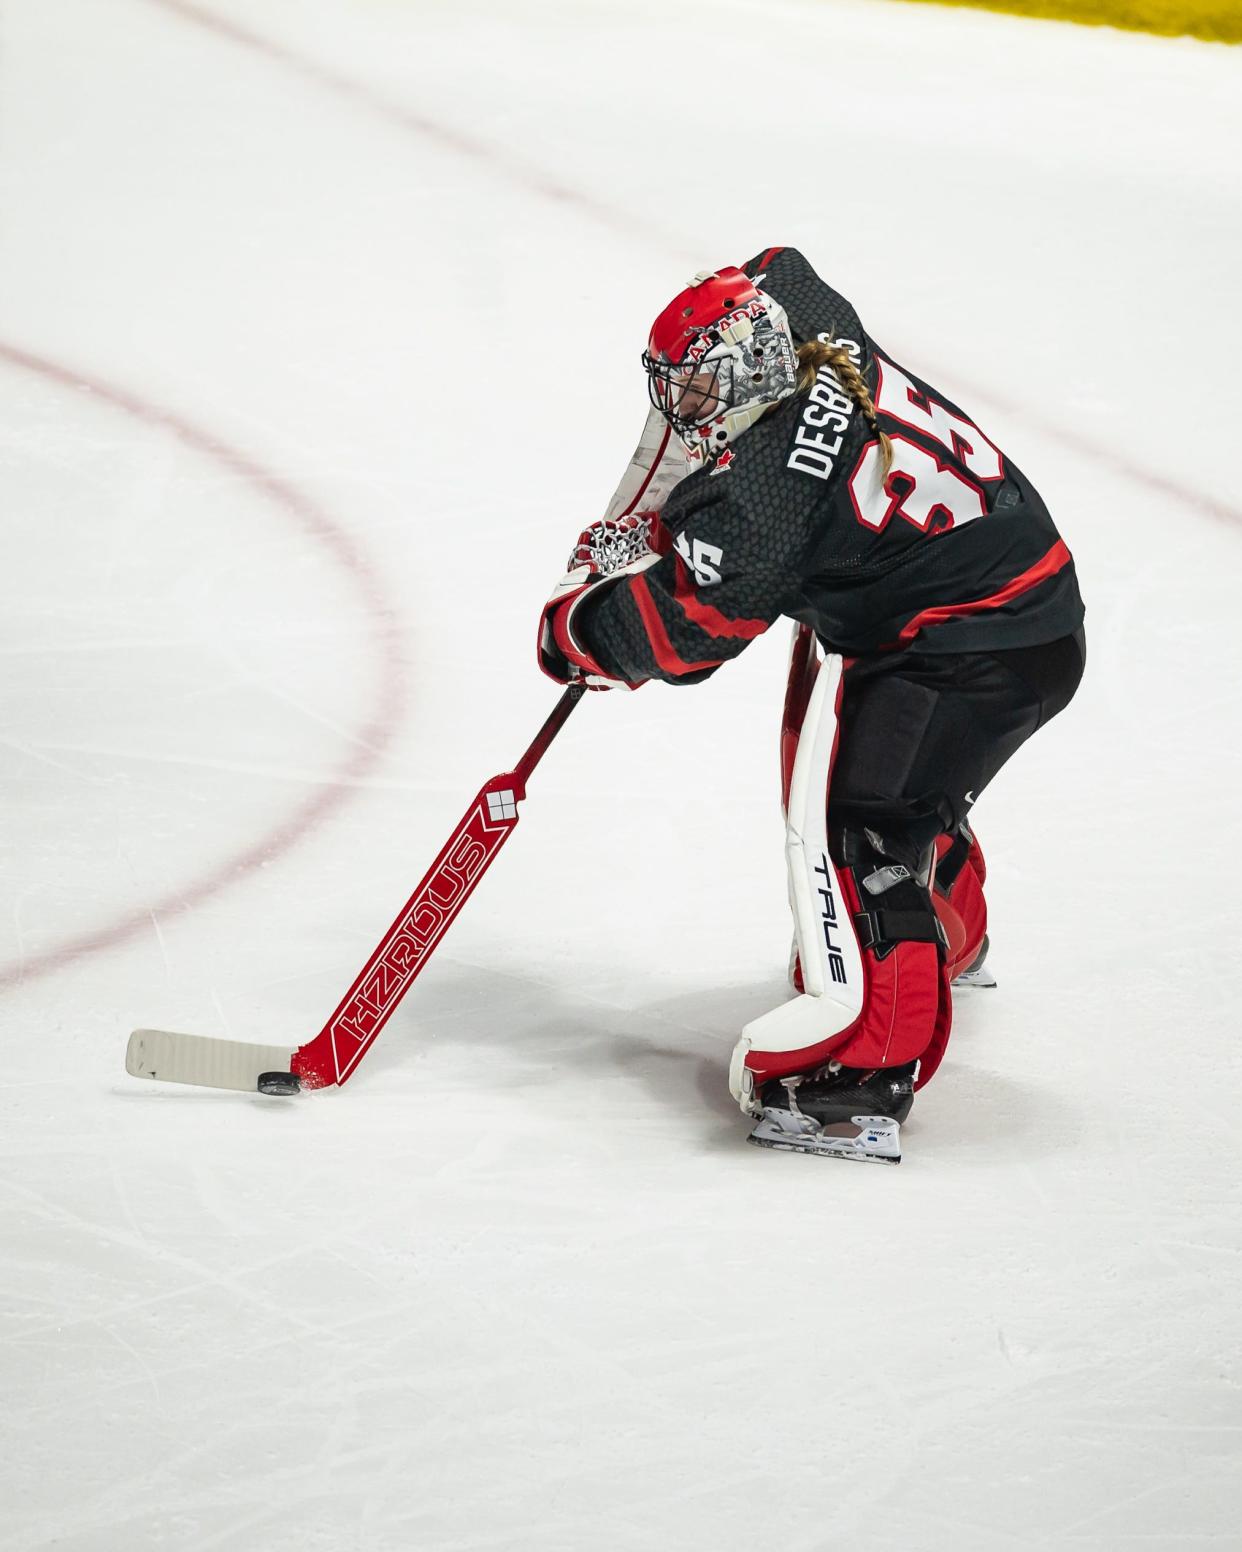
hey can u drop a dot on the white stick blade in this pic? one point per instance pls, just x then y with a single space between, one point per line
200 1059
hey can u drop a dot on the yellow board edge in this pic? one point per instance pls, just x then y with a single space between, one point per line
1218 22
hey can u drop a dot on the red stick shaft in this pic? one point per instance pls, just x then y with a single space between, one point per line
557 718
405 948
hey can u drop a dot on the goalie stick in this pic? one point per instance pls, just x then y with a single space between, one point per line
333 1055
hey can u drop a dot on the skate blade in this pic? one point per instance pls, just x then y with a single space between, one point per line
981 979
870 1139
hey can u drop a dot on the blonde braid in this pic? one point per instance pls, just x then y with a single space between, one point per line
817 353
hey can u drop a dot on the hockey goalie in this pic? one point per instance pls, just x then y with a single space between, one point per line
791 467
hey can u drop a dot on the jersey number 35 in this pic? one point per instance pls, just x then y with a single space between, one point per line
931 492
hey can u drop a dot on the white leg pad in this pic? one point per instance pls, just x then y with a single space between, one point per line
832 968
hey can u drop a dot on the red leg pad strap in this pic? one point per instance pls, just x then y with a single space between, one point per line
930 1059
963 912
975 858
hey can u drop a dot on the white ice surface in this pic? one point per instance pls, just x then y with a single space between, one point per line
337 349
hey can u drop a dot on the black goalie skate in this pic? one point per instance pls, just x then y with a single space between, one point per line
843 1113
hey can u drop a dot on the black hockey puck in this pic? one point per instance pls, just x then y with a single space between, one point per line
279 1083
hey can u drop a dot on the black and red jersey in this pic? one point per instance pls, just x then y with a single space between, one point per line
951 549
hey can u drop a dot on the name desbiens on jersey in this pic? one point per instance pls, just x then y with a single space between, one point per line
828 409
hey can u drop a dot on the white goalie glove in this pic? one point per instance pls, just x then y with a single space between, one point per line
607 550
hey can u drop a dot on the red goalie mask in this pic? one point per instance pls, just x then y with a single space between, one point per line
719 355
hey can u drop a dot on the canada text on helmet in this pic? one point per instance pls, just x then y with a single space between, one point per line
719 356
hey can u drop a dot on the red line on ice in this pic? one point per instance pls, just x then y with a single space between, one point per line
404 118
372 737
537 182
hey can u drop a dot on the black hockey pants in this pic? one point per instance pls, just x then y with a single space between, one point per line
922 734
